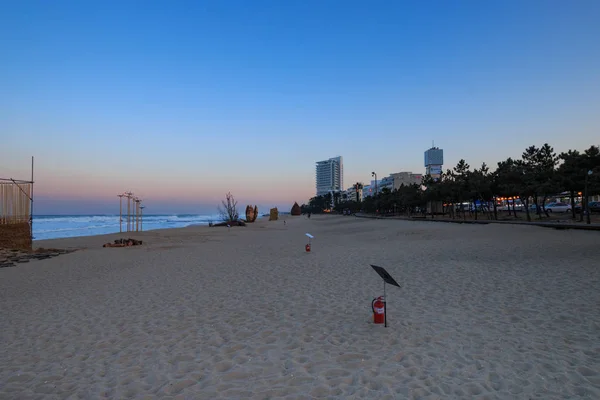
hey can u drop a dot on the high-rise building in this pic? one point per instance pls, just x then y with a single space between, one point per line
329 176
394 181
434 159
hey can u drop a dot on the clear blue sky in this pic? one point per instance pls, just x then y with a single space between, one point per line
188 100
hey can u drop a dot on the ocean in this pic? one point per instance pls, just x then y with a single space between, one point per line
62 226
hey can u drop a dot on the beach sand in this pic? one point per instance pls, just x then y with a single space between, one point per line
484 312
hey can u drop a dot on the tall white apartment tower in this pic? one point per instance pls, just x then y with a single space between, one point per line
330 176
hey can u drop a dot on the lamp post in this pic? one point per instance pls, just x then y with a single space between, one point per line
586 206
375 175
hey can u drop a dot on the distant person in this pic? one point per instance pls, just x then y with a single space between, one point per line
308 215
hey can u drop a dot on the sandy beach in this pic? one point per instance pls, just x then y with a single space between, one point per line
484 312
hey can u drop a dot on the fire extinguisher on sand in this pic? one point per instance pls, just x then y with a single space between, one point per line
378 306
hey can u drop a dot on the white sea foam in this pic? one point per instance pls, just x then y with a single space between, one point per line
59 226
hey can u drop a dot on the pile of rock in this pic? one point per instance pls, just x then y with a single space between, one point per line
124 243
10 258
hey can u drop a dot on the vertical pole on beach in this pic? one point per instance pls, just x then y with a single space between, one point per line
137 215
120 213
586 202
31 203
128 199
141 218
130 212
384 306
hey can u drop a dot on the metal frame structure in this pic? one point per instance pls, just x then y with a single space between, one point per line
135 213
19 182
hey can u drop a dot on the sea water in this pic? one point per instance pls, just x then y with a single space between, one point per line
61 226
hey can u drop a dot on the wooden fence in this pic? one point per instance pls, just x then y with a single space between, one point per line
15 202
15 214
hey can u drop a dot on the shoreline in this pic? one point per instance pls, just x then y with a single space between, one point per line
62 226
91 240
129 233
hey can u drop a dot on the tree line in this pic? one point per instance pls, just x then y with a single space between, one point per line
538 175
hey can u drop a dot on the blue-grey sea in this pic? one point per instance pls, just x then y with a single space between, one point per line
61 226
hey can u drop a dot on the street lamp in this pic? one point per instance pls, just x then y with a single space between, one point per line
586 206
375 175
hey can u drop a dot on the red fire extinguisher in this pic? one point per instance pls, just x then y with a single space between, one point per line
378 306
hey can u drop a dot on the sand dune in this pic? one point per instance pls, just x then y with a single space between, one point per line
485 311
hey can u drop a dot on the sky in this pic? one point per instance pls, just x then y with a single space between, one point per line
183 101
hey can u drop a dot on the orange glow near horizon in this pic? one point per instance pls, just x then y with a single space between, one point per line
259 191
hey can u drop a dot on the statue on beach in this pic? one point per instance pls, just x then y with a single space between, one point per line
274 214
296 210
251 213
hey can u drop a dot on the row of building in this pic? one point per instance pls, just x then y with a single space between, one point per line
329 177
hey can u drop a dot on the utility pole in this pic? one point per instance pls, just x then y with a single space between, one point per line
586 204
133 212
120 213
376 200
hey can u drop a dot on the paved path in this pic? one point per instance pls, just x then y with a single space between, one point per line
555 225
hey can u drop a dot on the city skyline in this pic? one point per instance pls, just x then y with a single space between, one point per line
182 103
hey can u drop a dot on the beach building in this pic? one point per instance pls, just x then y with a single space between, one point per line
329 176
367 191
395 180
352 194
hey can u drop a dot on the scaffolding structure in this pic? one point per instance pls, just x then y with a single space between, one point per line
16 206
135 213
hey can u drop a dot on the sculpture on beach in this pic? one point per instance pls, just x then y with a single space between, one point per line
251 213
274 214
296 210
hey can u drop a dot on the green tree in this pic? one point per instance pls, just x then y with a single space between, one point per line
568 175
462 184
509 180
